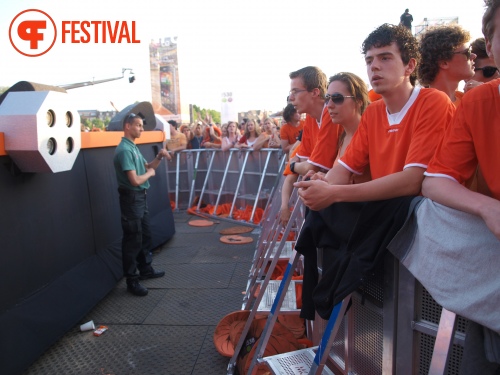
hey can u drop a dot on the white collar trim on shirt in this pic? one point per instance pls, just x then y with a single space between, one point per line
396 118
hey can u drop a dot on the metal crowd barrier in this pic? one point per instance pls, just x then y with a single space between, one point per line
392 324
237 179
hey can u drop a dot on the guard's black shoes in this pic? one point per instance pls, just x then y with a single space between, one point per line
134 287
151 274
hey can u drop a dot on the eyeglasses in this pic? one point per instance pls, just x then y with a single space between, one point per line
337 98
488 71
467 52
294 92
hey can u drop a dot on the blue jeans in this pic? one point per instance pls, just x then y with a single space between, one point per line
136 242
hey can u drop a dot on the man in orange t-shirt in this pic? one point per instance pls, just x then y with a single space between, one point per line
307 94
291 129
396 137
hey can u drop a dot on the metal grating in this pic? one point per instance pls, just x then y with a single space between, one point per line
368 338
430 311
426 346
374 288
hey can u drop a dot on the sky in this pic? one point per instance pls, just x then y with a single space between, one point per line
244 47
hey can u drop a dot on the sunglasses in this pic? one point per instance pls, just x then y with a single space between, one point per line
130 116
337 98
467 53
488 71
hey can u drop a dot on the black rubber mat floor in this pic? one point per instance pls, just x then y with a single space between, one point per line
170 330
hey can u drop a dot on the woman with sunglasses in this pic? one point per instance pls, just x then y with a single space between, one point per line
346 100
252 132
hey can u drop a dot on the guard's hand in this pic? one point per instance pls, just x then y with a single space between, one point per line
151 171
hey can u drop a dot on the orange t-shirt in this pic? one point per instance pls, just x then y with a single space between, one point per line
208 138
326 149
458 98
472 138
309 137
373 96
290 133
391 143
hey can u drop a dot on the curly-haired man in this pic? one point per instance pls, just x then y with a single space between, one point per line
446 59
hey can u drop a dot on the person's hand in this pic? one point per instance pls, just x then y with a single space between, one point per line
295 159
150 170
471 84
284 216
310 175
314 193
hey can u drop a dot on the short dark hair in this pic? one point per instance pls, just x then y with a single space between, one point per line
130 118
173 123
479 48
288 112
407 44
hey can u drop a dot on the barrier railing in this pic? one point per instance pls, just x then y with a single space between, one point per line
224 183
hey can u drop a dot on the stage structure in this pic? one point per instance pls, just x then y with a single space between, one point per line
60 225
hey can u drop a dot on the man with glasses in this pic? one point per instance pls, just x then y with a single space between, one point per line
446 59
319 139
133 173
317 150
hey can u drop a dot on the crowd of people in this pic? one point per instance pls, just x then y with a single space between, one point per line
252 134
